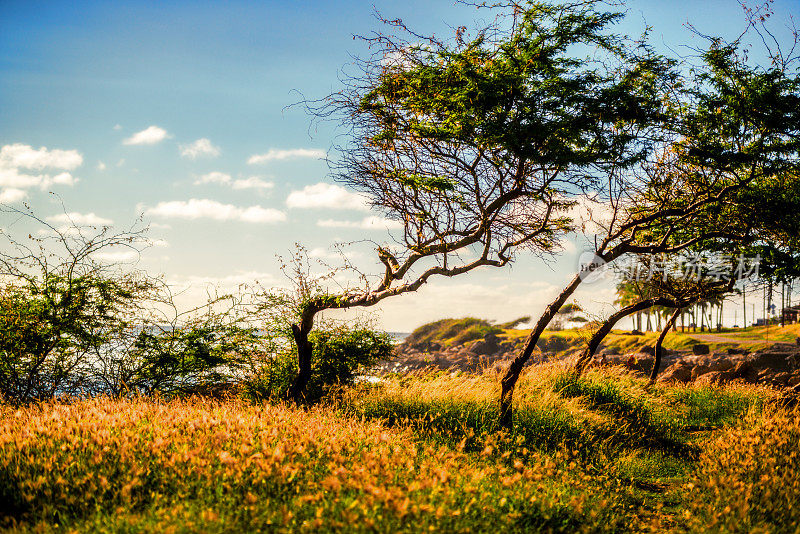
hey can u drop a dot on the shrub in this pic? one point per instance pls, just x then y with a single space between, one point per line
339 354
52 327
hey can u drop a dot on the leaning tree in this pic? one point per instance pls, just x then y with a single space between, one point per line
736 128
480 144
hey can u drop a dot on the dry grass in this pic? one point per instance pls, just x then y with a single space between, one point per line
600 454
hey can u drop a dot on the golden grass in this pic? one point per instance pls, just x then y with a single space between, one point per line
748 479
197 465
418 453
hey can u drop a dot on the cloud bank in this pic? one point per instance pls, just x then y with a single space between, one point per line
327 196
274 154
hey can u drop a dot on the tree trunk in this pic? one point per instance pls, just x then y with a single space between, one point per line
649 322
744 305
659 350
304 351
609 323
783 301
515 369
639 321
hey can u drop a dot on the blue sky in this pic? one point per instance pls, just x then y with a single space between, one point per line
178 111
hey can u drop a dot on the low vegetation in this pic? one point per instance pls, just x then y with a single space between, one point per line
599 454
449 332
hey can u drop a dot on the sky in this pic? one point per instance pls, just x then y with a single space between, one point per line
181 113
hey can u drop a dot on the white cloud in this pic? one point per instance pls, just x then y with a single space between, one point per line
328 196
11 195
367 223
213 178
293 153
211 209
253 182
26 157
149 136
201 147
117 126
101 166
80 219
17 160
63 178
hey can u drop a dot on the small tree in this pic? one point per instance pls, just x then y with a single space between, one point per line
58 303
674 289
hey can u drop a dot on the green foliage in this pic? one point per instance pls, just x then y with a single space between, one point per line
49 328
426 183
525 92
339 354
450 332
192 358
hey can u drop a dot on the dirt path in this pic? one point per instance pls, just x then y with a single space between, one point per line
713 338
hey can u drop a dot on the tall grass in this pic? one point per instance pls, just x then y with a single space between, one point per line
748 479
603 453
201 466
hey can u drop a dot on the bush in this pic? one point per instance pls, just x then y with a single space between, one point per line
553 343
53 327
339 354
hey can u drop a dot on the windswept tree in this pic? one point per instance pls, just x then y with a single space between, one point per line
480 144
673 287
736 127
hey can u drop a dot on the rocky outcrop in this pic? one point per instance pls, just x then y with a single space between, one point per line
778 365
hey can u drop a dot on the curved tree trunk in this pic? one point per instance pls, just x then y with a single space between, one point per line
515 369
304 351
659 342
605 328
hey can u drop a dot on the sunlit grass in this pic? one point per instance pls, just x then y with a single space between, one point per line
603 453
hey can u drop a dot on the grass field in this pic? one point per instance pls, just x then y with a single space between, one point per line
419 453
